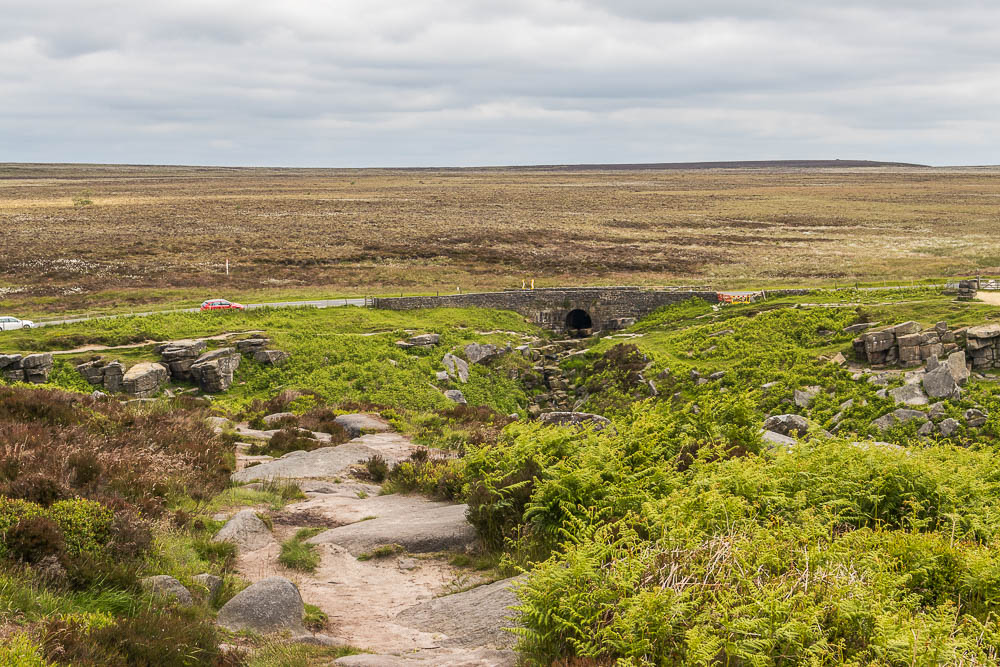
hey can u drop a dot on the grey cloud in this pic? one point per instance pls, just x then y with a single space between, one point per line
436 82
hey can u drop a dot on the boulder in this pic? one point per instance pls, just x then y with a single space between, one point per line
878 341
269 605
909 394
455 395
428 528
37 367
457 368
251 345
213 371
574 419
777 439
356 424
787 424
939 383
114 375
974 418
983 332
926 429
472 618
246 531
145 379
901 415
937 410
906 328
10 361
271 357
956 364
932 362
167 587
948 427
480 354
210 582
277 417
441 376
424 340
859 327
805 396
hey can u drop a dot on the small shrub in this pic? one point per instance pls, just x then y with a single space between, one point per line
315 618
384 551
34 538
297 554
377 468
85 468
36 488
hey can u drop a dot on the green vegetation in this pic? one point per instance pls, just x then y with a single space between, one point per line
384 551
297 554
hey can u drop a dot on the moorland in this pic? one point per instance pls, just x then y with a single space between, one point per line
90 238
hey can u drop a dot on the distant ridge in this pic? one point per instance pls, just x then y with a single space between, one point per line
737 164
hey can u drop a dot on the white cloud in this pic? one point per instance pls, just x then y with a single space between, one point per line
438 82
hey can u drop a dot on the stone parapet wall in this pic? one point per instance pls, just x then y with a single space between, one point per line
608 307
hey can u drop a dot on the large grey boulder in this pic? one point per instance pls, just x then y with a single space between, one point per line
901 415
430 528
909 394
213 371
940 383
246 531
787 424
957 365
269 605
166 586
476 617
456 367
805 396
575 419
145 379
478 353
777 439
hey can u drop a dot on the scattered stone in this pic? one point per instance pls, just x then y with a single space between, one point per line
724 332
269 605
270 357
246 531
787 424
859 327
575 419
957 365
937 410
948 427
805 396
441 376
210 582
909 394
424 340
901 415
272 419
926 429
839 359
940 383
718 375
166 586
455 395
480 354
777 439
145 379
456 367
974 418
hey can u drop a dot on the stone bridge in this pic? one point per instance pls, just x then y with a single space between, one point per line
577 309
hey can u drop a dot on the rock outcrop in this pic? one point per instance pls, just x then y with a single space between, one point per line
145 379
906 344
213 371
103 374
33 368
179 356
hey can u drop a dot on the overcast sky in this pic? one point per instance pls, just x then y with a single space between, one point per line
471 82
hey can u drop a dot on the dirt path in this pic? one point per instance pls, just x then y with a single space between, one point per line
992 298
364 595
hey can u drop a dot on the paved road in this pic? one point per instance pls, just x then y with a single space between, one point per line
322 303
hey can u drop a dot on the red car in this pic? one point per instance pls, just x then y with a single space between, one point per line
222 304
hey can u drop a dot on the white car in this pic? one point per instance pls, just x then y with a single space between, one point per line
11 323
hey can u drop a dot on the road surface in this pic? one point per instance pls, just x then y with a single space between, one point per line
322 303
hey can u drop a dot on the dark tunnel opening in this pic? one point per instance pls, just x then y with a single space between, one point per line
578 320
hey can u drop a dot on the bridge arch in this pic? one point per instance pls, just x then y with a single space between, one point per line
579 319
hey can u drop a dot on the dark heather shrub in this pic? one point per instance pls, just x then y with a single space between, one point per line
377 468
34 538
36 488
